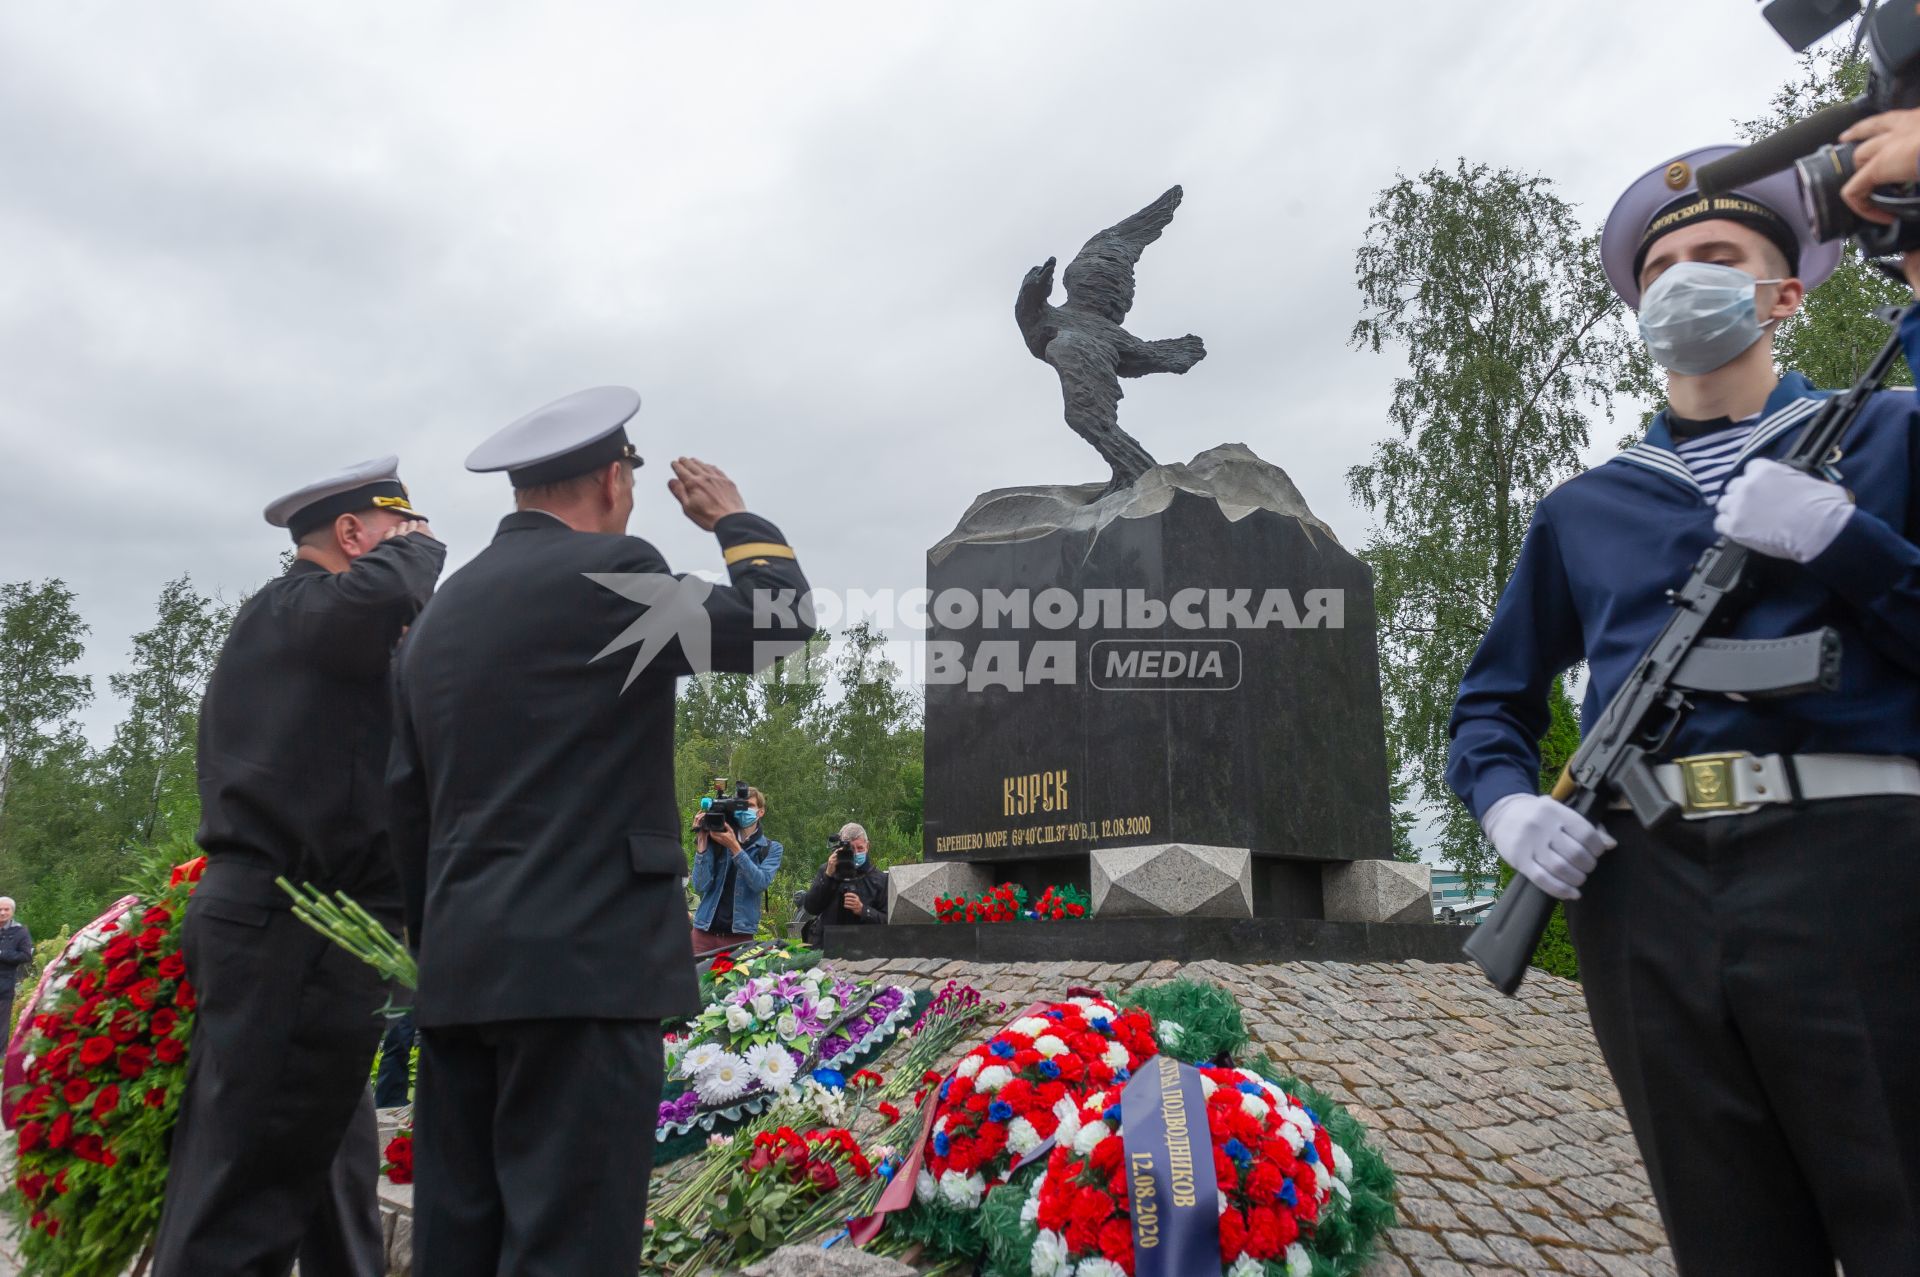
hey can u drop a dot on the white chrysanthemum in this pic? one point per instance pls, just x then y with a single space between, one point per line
699 1059
1082 1002
1342 1191
1247 1266
1220 1200
968 1067
1342 1164
786 1026
1208 1086
924 1188
1324 1176
1170 1032
1299 1263
992 1078
1049 1046
725 1079
1088 1137
773 1067
1099 1266
1254 1107
1022 1138
940 1126
1291 1134
738 1018
1068 1131
1031 1026
1050 1257
1066 1110
964 1191
763 1006
1116 1056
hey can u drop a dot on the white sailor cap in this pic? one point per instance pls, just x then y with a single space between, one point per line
1667 197
568 437
366 485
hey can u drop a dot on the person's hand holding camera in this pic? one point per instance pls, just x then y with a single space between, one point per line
726 840
851 903
1886 153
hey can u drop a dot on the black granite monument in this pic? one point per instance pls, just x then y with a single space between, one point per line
1185 654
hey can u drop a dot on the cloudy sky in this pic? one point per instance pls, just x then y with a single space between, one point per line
241 245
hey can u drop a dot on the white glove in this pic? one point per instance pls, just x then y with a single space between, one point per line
1780 511
1547 842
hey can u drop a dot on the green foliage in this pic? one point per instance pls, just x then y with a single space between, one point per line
1486 282
1208 1019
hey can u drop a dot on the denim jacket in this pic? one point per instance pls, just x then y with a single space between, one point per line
755 867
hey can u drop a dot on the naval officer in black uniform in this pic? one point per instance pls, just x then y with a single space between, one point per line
276 1151
539 843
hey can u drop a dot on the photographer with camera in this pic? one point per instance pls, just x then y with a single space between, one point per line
733 862
1750 955
848 890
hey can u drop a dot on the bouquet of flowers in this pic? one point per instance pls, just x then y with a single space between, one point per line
1005 1098
767 1031
765 957
1008 903
105 1065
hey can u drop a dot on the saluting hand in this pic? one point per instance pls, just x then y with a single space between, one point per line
705 494
408 528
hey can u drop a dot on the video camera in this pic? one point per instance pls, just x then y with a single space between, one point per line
843 867
721 811
1891 33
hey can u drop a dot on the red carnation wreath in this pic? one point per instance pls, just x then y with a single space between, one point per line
101 1060
1005 1097
1275 1165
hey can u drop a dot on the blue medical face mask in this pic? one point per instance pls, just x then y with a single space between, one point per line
859 858
1700 316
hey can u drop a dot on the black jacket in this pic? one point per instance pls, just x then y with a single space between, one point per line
296 724
16 950
534 813
824 899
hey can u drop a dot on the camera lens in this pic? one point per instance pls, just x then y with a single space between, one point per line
1821 175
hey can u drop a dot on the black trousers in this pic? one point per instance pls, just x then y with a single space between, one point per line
533 1142
275 1153
1754 983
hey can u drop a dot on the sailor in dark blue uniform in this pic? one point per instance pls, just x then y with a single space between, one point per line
1753 970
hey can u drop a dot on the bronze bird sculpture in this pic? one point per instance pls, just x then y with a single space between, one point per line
1085 343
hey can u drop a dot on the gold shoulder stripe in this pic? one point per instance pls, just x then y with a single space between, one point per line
757 549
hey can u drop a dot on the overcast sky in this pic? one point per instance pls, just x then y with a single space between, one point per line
241 245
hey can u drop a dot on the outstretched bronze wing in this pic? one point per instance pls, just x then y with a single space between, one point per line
1100 278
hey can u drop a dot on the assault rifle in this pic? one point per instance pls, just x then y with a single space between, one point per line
1684 661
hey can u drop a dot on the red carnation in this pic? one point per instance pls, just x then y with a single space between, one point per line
135 1060
821 1175
1116 1242
1233 1235
172 967
96 1051
400 1157
888 1111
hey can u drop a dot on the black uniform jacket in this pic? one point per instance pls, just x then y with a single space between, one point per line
296 724
534 811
